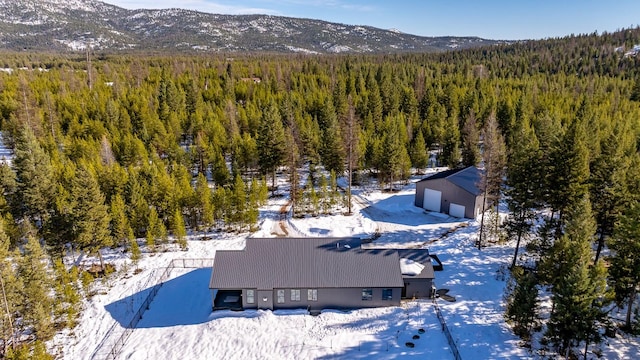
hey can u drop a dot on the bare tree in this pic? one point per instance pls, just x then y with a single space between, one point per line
494 159
351 142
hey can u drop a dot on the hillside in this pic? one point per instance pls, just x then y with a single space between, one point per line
76 24
130 157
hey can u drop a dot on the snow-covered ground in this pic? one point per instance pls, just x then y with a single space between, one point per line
6 155
179 323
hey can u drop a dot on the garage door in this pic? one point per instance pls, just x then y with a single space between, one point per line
456 210
431 200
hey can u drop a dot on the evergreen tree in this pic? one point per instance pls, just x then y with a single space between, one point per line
578 286
323 195
569 180
90 214
34 351
10 286
135 250
120 228
393 152
313 201
34 175
521 186
470 140
635 91
331 151
178 229
8 189
352 135
239 202
624 270
451 143
204 204
58 230
137 205
220 202
160 232
293 162
494 159
247 152
36 306
334 191
219 171
67 293
522 301
607 182
252 212
152 229
419 155
271 142
263 192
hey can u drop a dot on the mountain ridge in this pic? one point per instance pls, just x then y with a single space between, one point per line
78 24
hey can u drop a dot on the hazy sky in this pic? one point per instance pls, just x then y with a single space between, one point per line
492 19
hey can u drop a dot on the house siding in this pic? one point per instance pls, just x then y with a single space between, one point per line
335 298
214 292
418 288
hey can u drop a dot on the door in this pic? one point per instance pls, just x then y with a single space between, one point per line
265 299
456 210
431 200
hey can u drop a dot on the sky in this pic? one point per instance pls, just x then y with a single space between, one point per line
490 19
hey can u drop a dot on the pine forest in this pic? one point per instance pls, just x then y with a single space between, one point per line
135 150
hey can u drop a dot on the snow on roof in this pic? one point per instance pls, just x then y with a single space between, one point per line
410 267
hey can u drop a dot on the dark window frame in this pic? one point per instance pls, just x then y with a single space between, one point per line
387 294
295 295
312 294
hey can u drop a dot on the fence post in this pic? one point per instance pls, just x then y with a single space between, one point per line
447 333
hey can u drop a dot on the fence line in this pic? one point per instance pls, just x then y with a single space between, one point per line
125 333
447 333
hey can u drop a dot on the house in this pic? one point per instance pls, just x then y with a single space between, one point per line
417 273
317 273
454 192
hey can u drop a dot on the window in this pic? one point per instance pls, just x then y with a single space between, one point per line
387 294
295 294
251 297
280 296
312 294
367 294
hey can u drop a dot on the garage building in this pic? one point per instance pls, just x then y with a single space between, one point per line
455 192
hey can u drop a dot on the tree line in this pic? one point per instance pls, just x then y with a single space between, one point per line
150 147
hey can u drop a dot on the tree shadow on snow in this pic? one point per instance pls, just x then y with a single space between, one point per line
386 337
418 238
396 210
184 300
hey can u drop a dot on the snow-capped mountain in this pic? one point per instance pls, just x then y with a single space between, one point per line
76 24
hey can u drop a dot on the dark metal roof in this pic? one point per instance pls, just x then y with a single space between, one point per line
420 256
466 178
441 174
305 263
